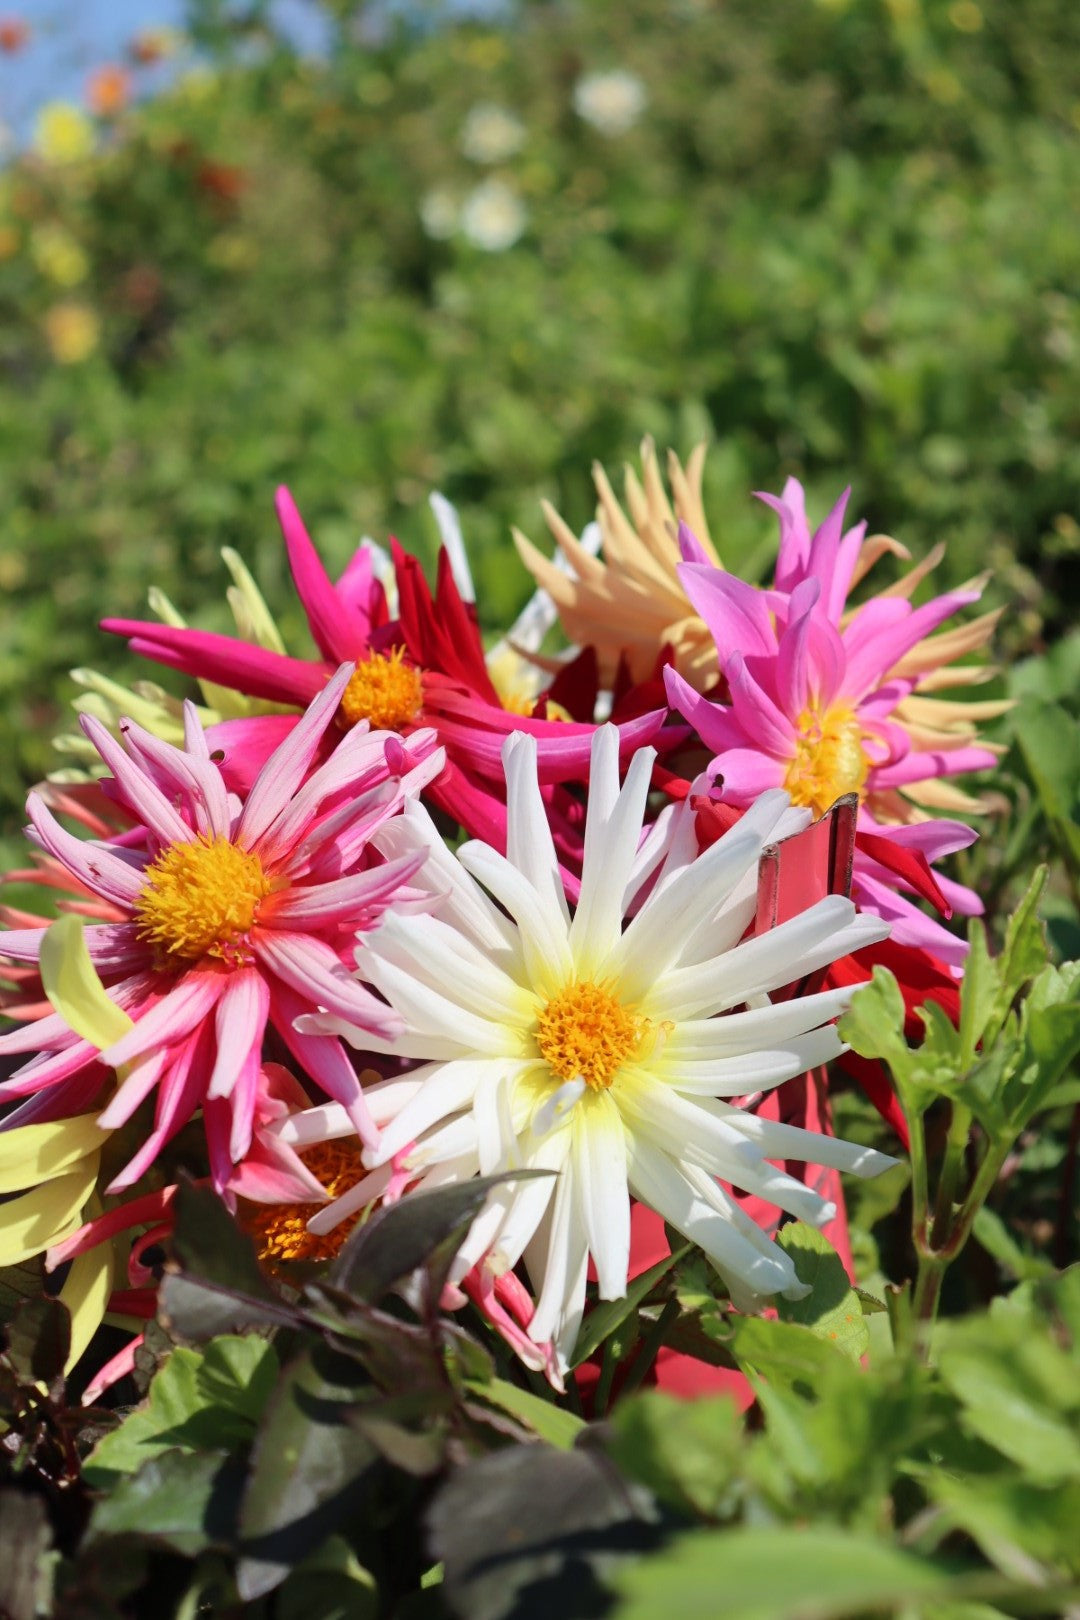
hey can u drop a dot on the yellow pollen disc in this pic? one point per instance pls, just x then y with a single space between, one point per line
830 759
200 899
385 690
280 1231
585 1031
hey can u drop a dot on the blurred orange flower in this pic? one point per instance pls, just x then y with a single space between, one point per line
108 90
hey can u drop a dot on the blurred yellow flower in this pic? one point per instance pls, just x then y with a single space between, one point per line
966 16
73 331
58 256
63 133
487 51
196 85
232 251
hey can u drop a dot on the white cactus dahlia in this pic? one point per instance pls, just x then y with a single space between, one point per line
610 1045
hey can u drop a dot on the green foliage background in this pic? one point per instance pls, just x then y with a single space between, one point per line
840 242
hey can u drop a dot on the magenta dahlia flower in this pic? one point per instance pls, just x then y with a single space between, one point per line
817 698
233 917
425 668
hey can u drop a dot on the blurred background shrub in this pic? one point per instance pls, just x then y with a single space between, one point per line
838 238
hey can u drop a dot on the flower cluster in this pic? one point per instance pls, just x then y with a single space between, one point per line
283 968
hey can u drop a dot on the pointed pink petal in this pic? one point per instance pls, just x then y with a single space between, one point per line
311 968
190 999
192 776
287 766
239 1021
757 714
141 795
735 613
714 722
336 635
324 1058
236 664
790 508
106 873
339 902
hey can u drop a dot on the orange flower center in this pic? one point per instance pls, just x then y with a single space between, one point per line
280 1231
384 690
200 899
830 759
584 1032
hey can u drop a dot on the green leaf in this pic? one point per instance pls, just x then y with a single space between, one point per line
1017 1389
26 1573
1024 951
686 1452
208 1399
547 1421
873 1026
38 1338
330 1585
605 1317
831 1309
784 1352
977 996
308 1468
990 1230
531 1531
19 1283
213 1283
787 1573
1018 1524
186 1501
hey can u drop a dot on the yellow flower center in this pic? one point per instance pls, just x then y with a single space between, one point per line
385 690
280 1231
201 899
830 759
585 1032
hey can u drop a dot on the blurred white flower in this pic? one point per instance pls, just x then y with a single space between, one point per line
439 211
611 102
491 134
494 216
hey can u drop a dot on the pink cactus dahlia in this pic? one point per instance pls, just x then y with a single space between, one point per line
426 668
813 700
231 918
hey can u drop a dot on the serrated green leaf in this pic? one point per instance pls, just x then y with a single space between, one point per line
197 1400
831 1309
978 994
184 1500
686 1452
786 1353
1024 951
307 1469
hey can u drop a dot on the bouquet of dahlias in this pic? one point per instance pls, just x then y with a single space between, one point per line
556 941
